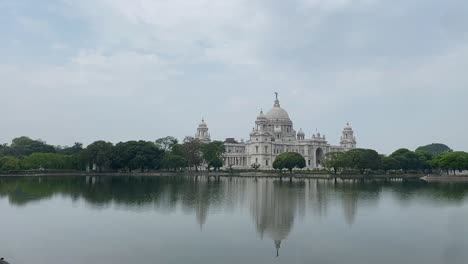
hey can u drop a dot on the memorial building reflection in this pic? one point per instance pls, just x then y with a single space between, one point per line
275 206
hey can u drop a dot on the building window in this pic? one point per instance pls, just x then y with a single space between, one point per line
266 149
266 162
256 149
256 160
309 162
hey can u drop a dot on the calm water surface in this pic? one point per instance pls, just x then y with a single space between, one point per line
68 220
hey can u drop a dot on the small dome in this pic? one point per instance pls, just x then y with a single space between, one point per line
348 127
202 123
300 133
261 115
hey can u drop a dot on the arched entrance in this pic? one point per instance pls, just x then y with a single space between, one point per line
318 157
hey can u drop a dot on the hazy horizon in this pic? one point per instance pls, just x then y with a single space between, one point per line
116 70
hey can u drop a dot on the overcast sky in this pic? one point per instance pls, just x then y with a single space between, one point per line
117 70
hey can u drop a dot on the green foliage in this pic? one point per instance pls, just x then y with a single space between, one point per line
216 163
99 153
4 150
133 155
435 149
390 164
177 149
363 159
166 143
367 160
49 161
191 150
451 161
334 161
75 149
174 162
410 160
289 161
27 154
23 146
212 153
9 164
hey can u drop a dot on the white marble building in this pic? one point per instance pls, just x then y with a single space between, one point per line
274 134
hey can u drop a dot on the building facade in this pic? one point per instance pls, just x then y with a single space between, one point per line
274 134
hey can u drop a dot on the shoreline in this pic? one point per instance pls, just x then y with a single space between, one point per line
217 174
385 177
445 178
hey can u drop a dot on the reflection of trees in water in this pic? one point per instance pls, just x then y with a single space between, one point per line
352 193
274 205
438 193
135 193
318 195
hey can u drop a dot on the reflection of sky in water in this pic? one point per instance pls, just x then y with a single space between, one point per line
187 220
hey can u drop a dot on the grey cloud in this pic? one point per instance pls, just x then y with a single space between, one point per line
394 69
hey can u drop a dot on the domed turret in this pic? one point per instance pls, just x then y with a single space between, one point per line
202 123
202 132
261 116
348 140
348 127
300 135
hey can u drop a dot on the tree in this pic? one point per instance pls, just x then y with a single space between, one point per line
49 161
166 143
410 160
174 162
289 160
279 163
99 153
364 159
75 149
132 155
451 161
213 152
254 166
4 150
407 160
23 146
9 164
435 148
390 163
216 163
334 161
424 160
192 152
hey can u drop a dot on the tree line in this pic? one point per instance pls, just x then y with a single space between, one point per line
163 154
168 154
423 160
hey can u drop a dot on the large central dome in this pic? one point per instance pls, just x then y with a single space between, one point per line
277 112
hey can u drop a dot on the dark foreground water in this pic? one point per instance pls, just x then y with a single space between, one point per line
68 220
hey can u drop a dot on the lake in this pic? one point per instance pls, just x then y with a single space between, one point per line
182 219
